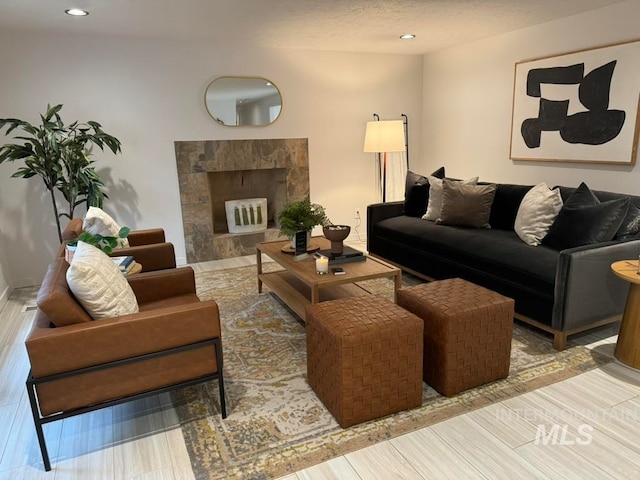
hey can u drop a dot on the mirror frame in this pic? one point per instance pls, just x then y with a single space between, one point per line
210 108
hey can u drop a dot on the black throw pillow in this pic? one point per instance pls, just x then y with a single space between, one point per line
416 193
584 220
630 225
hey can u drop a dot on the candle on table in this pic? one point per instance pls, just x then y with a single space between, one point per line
322 265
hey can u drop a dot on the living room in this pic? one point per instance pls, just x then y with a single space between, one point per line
149 94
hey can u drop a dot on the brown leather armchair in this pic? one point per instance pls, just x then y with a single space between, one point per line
82 364
147 247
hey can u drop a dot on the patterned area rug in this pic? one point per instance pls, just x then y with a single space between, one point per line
276 425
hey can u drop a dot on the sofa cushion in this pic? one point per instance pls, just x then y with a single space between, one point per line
506 203
416 192
584 220
55 299
99 222
466 205
434 205
490 253
97 283
538 210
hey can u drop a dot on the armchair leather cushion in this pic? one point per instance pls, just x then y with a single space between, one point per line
98 222
97 283
55 299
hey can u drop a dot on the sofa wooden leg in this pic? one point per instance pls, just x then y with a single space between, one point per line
559 340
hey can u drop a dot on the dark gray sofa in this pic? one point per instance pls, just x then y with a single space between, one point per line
562 292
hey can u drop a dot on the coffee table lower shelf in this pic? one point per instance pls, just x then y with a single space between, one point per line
297 295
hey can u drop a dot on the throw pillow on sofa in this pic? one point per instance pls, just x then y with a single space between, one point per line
416 192
584 220
537 212
466 205
630 225
434 204
98 284
99 222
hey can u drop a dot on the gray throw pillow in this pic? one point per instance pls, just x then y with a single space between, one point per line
466 205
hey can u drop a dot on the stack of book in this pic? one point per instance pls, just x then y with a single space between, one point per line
348 255
125 264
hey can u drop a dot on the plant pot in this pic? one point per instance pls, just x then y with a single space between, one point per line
336 235
293 241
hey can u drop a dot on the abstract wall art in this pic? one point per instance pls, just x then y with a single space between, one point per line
578 107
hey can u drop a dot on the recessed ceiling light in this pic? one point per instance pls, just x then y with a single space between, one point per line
76 12
407 36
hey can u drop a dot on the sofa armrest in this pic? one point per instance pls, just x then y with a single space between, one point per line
146 237
157 256
64 349
153 286
586 290
377 212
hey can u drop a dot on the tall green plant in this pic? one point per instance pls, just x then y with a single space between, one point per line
59 155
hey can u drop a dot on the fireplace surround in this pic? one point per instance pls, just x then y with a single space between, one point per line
211 172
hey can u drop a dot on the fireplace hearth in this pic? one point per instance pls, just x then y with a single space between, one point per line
213 172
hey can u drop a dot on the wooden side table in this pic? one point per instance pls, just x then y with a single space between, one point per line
628 345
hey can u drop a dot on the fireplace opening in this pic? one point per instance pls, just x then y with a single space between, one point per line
269 183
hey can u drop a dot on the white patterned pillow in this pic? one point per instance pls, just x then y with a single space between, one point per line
435 196
98 222
97 283
537 211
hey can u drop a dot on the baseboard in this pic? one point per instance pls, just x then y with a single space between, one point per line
4 296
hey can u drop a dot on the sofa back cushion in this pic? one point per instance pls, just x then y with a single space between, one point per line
55 299
505 205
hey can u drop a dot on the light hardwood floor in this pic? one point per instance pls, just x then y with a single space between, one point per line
596 417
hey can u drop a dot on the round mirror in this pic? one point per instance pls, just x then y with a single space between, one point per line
242 101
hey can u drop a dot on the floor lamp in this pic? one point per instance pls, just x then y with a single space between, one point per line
382 137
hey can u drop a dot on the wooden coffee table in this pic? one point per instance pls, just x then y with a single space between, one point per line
298 285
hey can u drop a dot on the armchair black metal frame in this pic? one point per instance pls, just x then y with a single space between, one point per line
39 420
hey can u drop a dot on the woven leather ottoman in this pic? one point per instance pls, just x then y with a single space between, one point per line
467 333
364 357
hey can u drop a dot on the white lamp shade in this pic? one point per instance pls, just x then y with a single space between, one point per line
384 136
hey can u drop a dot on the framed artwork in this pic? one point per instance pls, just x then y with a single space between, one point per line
578 107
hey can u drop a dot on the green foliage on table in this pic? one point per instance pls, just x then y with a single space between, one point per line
106 244
59 155
301 216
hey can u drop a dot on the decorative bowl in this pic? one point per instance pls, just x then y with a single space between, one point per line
336 235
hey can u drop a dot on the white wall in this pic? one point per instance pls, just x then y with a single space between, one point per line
149 94
468 93
5 287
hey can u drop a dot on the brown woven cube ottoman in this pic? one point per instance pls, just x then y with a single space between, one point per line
467 333
364 357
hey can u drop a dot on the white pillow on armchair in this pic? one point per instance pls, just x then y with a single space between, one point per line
98 222
96 281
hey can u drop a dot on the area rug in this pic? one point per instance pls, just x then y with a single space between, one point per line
276 425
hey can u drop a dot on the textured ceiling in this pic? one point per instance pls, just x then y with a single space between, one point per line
344 25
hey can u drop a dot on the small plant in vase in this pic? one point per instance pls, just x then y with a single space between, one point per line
301 216
106 244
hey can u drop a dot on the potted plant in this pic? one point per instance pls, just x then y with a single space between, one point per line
59 155
106 244
300 216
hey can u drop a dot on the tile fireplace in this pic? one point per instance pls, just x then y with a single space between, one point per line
212 172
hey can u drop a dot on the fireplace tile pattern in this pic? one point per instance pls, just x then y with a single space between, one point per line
196 159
